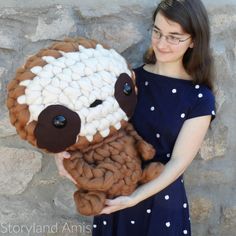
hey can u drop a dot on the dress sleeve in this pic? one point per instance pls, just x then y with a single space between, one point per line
203 105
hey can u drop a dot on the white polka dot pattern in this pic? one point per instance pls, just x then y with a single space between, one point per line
167 197
148 211
168 224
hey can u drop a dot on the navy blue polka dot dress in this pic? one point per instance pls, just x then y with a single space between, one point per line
164 103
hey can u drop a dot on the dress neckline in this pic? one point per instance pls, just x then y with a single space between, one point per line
166 77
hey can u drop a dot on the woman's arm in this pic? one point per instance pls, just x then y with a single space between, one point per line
186 147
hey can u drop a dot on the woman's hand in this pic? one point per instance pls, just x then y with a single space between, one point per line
118 203
59 157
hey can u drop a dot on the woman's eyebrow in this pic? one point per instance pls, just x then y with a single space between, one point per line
175 33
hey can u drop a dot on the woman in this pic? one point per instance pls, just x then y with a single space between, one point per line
174 110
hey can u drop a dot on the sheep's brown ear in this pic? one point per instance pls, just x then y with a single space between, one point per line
125 94
57 128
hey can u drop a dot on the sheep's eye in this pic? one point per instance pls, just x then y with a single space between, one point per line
127 89
59 121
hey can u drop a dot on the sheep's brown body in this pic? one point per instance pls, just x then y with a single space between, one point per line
111 168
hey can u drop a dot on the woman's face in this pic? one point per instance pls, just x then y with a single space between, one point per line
169 41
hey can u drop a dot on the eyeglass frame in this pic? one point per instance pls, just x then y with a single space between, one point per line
167 36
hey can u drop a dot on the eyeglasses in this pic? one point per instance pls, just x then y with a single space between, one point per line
156 34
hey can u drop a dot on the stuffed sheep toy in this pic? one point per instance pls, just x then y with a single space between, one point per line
78 96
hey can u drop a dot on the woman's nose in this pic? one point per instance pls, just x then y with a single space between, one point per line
161 43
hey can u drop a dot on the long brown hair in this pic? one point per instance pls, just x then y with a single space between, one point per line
193 17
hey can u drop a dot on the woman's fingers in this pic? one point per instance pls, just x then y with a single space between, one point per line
133 77
59 157
70 178
64 154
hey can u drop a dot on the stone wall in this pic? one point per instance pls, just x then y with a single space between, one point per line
33 196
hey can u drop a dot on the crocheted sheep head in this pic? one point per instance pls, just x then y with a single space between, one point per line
70 95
